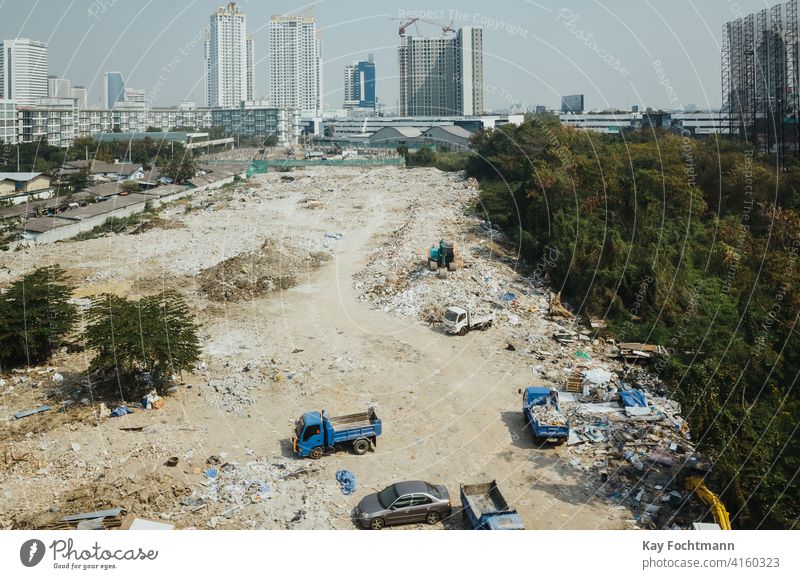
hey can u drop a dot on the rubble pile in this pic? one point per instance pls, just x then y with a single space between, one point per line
275 266
397 279
261 493
546 414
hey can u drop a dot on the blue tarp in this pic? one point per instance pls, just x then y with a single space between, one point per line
121 411
347 480
633 398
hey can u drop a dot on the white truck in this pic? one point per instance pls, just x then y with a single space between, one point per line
460 321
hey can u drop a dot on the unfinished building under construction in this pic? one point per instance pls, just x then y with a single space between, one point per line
760 79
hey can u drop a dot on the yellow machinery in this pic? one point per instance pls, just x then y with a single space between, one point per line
697 485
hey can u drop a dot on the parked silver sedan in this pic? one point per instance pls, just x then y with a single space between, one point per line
404 502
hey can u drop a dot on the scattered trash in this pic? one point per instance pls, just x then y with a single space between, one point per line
95 515
596 376
152 401
347 481
57 378
508 297
121 411
211 473
172 461
583 355
633 398
24 413
510 347
336 236
76 447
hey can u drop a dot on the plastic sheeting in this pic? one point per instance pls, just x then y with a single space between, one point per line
633 398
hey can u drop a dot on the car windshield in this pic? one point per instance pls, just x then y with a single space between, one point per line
387 496
298 427
433 491
450 315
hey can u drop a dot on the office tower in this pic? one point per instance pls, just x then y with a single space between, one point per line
572 103
23 70
113 89
295 63
359 85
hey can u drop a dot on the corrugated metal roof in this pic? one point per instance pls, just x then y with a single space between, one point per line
18 176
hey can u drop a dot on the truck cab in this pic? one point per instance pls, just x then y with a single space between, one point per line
308 433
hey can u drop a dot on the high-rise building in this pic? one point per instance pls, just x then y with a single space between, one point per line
359 85
23 70
250 67
227 52
442 76
60 88
469 71
572 103
295 63
113 89
81 96
761 79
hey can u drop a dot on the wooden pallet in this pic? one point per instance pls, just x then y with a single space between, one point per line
575 380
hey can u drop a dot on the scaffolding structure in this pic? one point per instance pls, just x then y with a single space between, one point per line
760 79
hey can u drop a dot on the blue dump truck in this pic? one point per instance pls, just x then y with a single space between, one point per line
543 414
485 508
316 433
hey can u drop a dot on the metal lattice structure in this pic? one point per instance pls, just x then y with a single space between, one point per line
761 79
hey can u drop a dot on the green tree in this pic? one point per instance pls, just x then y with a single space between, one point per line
80 180
35 316
156 334
181 167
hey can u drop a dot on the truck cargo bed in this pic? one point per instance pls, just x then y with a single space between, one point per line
485 498
352 421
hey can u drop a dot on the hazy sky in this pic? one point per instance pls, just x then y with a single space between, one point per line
658 53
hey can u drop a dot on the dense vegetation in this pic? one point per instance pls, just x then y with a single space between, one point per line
691 244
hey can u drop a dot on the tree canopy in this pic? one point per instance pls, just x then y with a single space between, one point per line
691 244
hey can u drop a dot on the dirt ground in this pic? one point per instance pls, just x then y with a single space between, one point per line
336 340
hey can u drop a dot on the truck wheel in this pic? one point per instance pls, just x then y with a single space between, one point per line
451 266
377 524
463 331
432 265
316 452
361 446
442 273
433 518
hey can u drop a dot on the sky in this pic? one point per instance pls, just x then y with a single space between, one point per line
654 53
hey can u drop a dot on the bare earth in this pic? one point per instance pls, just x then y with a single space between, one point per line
350 334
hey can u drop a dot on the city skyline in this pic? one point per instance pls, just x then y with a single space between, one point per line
533 53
